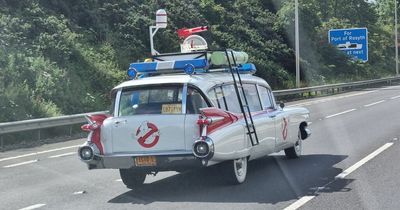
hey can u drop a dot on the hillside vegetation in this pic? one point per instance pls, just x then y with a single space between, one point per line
63 57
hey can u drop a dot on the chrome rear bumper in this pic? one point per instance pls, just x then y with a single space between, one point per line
165 161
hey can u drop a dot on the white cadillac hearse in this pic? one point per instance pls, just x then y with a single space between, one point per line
192 109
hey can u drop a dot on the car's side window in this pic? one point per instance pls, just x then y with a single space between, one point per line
231 98
216 95
225 97
194 101
266 98
252 97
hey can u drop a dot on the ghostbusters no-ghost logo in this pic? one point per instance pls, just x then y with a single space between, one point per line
147 134
284 128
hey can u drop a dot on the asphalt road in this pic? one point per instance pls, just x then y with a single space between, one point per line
349 162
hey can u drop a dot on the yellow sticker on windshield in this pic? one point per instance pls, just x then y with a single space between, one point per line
171 109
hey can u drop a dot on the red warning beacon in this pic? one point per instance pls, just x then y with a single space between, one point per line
185 32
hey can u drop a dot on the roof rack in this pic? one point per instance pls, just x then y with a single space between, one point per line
190 63
194 56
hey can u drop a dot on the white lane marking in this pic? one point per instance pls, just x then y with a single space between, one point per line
118 180
36 206
303 200
340 113
363 161
20 164
38 153
389 88
375 103
394 97
331 99
79 192
62 155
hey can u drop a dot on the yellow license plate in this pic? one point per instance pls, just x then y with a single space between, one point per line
146 161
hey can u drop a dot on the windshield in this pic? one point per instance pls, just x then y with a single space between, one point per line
151 100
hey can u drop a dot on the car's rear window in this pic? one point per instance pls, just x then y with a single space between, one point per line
151 100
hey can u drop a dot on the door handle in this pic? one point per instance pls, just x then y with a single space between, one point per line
120 121
272 116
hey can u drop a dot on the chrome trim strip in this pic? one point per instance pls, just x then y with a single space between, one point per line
171 153
184 97
117 100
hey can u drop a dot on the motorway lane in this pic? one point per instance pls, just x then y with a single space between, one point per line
40 152
374 186
273 182
355 134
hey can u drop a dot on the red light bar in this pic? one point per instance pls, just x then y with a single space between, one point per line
185 32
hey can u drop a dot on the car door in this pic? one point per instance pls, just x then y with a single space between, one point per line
281 118
267 128
148 119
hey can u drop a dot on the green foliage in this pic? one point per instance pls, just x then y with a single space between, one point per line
63 57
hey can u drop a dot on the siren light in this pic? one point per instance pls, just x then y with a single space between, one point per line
185 32
132 73
161 22
161 18
189 69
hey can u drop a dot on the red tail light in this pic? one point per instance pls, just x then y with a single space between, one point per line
89 127
95 122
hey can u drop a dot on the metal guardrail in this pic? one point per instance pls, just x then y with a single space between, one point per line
42 123
388 80
25 125
37 124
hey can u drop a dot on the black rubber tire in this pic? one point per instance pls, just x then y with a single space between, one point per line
291 152
229 173
131 178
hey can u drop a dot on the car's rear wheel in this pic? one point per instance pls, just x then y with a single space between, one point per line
131 178
236 170
295 151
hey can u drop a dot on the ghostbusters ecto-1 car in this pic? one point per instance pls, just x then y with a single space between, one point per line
191 109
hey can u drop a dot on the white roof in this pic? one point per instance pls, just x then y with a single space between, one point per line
204 81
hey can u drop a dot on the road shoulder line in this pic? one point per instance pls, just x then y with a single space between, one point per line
363 161
395 97
38 153
36 206
303 200
63 155
19 164
375 103
340 113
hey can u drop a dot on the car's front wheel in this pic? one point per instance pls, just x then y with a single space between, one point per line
236 170
295 151
131 178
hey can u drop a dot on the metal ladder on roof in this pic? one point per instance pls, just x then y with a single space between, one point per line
244 105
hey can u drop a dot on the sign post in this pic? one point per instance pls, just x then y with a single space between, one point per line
352 41
297 41
396 42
